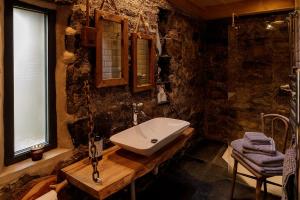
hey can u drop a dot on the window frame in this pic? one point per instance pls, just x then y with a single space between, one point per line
9 153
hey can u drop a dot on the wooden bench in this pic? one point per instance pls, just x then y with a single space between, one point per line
120 168
42 186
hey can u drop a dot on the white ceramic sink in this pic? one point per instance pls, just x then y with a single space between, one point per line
150 136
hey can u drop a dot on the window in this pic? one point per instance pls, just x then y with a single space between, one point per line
29 82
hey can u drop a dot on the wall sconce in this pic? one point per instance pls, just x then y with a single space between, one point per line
269 26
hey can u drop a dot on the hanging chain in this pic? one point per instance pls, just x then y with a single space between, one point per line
109 2
141 19
93 149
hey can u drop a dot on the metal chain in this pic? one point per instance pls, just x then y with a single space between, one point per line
112 3
141 18
93 149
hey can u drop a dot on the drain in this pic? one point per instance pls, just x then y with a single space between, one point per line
154 141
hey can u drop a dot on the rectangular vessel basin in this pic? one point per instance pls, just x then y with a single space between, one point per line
150 136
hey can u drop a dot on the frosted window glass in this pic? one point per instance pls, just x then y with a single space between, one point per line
30 70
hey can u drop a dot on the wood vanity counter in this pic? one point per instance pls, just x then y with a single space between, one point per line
120 168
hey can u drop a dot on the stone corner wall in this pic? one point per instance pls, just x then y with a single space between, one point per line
245 70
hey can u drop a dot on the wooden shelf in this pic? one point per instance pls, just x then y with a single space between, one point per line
119 168
164 103
162 82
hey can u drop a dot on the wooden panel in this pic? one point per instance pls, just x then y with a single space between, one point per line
297 4
245 7
88 36
187 7
41 187
206 3
119 168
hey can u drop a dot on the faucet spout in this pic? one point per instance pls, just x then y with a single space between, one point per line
137 110
135 122
135 114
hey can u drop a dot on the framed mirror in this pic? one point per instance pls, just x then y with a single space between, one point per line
143 61
111 49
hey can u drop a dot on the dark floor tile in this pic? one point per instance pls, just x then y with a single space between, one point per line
175 186
207 150
204 171
201 175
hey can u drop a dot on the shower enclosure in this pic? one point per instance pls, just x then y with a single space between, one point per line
247 60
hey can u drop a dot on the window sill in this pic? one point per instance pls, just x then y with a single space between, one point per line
42 167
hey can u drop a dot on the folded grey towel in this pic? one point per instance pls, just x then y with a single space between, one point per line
257 138
259 159
274 171
248 151
269 149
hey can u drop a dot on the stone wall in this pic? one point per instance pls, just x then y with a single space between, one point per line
220 79
247 75
112 106
181 40
216 58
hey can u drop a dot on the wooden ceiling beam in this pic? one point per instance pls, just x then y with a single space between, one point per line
187 7
245 7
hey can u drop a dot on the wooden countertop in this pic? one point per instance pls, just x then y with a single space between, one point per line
119 167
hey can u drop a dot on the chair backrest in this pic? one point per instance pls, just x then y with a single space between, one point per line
276 118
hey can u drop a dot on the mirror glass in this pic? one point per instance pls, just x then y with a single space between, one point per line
143 62
112 50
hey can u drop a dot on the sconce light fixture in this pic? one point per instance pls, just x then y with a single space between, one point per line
269 26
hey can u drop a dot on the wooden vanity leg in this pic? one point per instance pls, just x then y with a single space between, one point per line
132 190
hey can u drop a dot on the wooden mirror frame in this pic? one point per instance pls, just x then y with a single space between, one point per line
100 16
151 38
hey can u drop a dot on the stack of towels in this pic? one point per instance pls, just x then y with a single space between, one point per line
258 151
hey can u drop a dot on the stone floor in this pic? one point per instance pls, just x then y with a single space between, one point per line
191 179
200 175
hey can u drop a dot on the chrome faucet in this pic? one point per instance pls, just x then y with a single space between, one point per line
136 108
135 114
